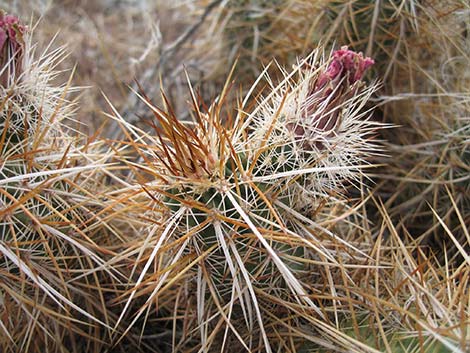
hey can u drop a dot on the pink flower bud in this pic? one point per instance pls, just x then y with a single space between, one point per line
12 48
346 64
321 109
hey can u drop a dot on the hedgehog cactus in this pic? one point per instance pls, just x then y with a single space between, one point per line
44 178
29 102
216 195
315 130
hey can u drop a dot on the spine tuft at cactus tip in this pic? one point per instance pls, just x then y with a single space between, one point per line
225 202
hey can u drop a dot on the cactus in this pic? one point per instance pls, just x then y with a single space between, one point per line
50 264
228 199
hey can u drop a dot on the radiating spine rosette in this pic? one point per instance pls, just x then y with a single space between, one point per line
219 197
316 128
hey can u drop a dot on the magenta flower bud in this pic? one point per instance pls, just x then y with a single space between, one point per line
346 64
328 92
12 47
